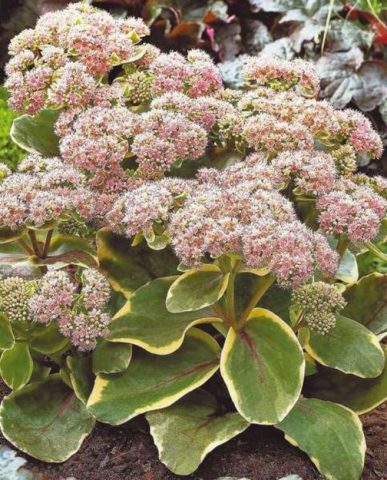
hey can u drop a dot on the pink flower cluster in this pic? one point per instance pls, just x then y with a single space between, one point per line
41 191
195 75
254 173
358 130
317 116
235 210
265 133
205 111
150 203
98 139
79 310
57 64
164 138
291 251
101 138
312 171
356 211
281 74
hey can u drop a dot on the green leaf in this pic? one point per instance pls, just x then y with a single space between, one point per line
359 394
111 357
40 372
348 271
36 134
330 434
75 257
45 420
197 289
63 244
7 340
146 322
194 424
369 263
47 339
310 365
277 300
7 235
153 382
119 263
81 375
16 365
367 302
349 347
263 367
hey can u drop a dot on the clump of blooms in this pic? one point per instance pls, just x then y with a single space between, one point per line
78 308
254 173
291 251
205 111
15 293
281 74
356 211
317 116
378 184
136 87
312 171
357 129
265 133
43 190
164 138
195 75
98 139
318 303
127 130
59 63
226 212
150 203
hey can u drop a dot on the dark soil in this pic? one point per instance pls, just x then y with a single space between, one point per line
260 453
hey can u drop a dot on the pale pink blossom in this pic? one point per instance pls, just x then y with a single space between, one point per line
282 74
312 171
265 133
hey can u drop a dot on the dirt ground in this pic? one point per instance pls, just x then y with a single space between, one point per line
260 453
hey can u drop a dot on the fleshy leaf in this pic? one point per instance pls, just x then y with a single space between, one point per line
7 340
47 339
111 357
16 365
359 394
263 367
36 134
330 434
128 267
194 424
146 322
153 382
45 420
367 302
349 347
197 289
81 375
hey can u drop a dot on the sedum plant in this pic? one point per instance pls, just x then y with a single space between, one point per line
185 251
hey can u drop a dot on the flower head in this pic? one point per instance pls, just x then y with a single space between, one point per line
41 191
352 210
15 293
78 309
281 74
318 303
265 133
